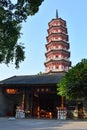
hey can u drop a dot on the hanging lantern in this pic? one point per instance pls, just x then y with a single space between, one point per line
11 91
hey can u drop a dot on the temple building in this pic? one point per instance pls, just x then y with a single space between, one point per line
37 94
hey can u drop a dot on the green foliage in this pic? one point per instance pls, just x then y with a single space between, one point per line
12 14
9 34
20 9
74 83
40 73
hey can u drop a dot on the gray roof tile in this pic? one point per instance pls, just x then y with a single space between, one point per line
34 79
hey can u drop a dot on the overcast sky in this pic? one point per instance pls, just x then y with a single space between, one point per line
35 32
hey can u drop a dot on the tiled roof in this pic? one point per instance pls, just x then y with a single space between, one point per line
33 79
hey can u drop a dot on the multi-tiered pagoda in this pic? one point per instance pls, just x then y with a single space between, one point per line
57 47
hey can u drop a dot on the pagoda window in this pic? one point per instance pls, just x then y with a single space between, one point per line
54 56
60 56
54 47
54 67
58 23
59 38
59 30
59 47
60 66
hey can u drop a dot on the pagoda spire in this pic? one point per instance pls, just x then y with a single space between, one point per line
56 13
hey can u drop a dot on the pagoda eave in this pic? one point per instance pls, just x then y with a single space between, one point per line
56 26
59 19
57 51
58 42
58 61
59 34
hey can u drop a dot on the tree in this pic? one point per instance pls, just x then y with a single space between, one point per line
11 17
74 83
40 73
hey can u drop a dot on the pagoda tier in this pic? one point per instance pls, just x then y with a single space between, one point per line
55 66
57 47
57 55
57 44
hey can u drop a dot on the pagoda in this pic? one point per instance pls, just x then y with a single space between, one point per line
57 47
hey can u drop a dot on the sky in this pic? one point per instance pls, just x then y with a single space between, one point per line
34 32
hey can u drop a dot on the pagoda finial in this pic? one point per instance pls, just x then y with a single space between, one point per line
56 13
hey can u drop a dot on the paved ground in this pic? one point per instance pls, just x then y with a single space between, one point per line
41 124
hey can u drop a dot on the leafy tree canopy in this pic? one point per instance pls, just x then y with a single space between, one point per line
74 83
40 73
12 14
